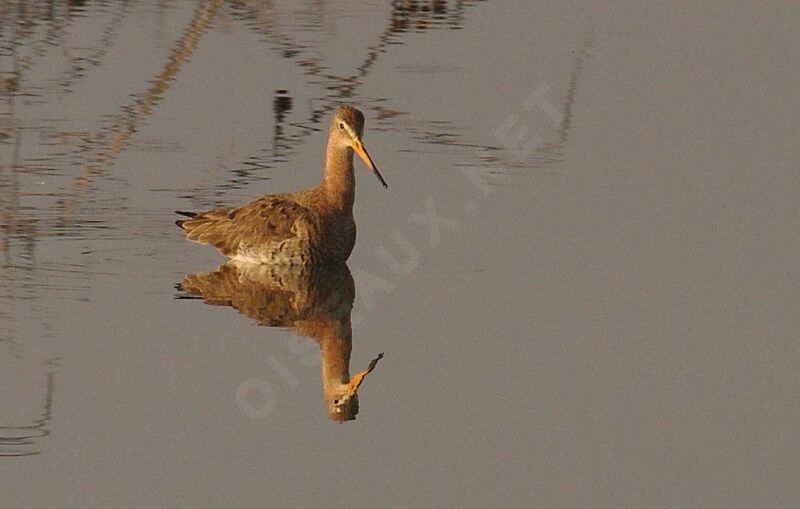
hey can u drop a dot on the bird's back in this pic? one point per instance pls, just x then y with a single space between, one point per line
283 229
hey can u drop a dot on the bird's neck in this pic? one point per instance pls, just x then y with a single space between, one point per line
339 182
335 352
335 370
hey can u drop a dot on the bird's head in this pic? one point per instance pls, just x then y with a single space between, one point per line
347 129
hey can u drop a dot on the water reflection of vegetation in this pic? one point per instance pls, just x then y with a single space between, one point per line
282 31
314 303
29 29
36 26
38 64
21 438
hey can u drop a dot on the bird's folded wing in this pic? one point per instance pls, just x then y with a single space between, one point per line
261 224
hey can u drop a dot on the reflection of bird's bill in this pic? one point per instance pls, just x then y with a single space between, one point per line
358 146
358 378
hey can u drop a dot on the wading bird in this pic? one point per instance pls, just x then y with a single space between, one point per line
310 227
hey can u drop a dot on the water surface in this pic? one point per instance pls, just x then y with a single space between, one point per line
582 275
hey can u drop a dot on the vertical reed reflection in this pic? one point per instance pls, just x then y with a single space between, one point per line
281 106
282 28
26 407
121 132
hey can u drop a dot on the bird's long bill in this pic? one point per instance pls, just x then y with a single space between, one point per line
364 155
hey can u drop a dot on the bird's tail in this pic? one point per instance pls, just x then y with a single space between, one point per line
180 222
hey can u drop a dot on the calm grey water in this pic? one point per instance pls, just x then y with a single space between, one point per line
583 275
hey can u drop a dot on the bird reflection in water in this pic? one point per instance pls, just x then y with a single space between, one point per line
312 302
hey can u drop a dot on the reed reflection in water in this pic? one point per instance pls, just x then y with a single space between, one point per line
311 302
26 404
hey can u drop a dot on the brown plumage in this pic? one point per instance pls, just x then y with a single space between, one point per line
311 301
310 227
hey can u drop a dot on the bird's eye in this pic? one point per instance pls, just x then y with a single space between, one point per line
336 402
341 125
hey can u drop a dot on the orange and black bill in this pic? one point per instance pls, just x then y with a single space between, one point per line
364 155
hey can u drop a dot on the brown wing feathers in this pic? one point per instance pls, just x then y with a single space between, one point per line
260 222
